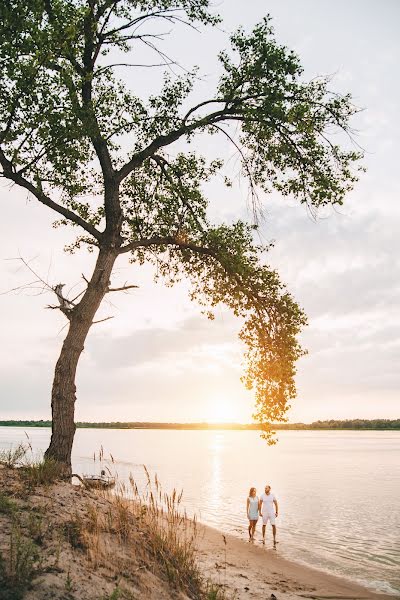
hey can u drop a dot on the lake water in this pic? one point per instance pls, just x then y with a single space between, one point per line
338 491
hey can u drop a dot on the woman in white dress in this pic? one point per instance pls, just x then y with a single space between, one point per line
252 511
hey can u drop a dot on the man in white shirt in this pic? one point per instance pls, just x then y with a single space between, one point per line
268 508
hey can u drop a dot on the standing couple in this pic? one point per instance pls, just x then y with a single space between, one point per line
265 506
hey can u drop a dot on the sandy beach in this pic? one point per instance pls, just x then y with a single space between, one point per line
250 570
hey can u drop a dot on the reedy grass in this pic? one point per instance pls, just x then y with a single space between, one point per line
36 470
18 566
170 535
12 457
41 472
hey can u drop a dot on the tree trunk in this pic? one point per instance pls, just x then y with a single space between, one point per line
64 390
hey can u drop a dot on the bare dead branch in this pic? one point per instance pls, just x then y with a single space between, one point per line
64 305
165 140
151 65
123 288
102 320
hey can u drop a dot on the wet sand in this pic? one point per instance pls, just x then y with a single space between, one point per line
251 570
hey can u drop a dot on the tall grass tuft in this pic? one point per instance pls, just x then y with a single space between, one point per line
35 470
170 535
41 472
17 566
152 528
12 457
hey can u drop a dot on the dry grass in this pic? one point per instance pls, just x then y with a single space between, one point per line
35 470
170 534
150 526
13 457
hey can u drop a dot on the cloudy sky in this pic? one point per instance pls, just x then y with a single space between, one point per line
159 358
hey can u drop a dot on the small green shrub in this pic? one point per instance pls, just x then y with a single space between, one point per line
73 533
36 527
68 583
7 506
115 595
18 567
214 591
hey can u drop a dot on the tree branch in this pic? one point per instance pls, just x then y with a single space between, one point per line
165 140
17 178
102 320
168 240
204 250
89 58
123 288
163 164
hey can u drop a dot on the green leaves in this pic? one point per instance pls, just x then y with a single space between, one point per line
287 125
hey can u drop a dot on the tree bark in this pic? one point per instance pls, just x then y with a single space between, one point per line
64 389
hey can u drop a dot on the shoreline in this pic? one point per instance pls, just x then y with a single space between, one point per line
276 428
250 570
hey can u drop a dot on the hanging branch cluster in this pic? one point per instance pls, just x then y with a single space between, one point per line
67 119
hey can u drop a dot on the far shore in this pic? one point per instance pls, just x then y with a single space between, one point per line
331 425
251 570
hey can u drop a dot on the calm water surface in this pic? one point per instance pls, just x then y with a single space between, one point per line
338 492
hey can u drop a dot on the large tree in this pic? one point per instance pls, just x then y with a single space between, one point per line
118 166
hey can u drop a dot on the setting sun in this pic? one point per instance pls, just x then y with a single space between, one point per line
222 410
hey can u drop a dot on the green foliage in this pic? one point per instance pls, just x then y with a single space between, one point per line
73 131
215 592
115 594
73 531
17 566
287 122
351 424
37 527
68 583
7 506
41 472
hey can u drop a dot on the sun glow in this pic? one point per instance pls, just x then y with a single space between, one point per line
222 410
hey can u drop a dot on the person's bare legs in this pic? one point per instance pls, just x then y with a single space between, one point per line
274 534
263 533
254 529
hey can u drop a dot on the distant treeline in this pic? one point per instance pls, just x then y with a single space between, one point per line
331 424
346 424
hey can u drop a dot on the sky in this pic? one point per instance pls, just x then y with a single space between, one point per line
159 358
